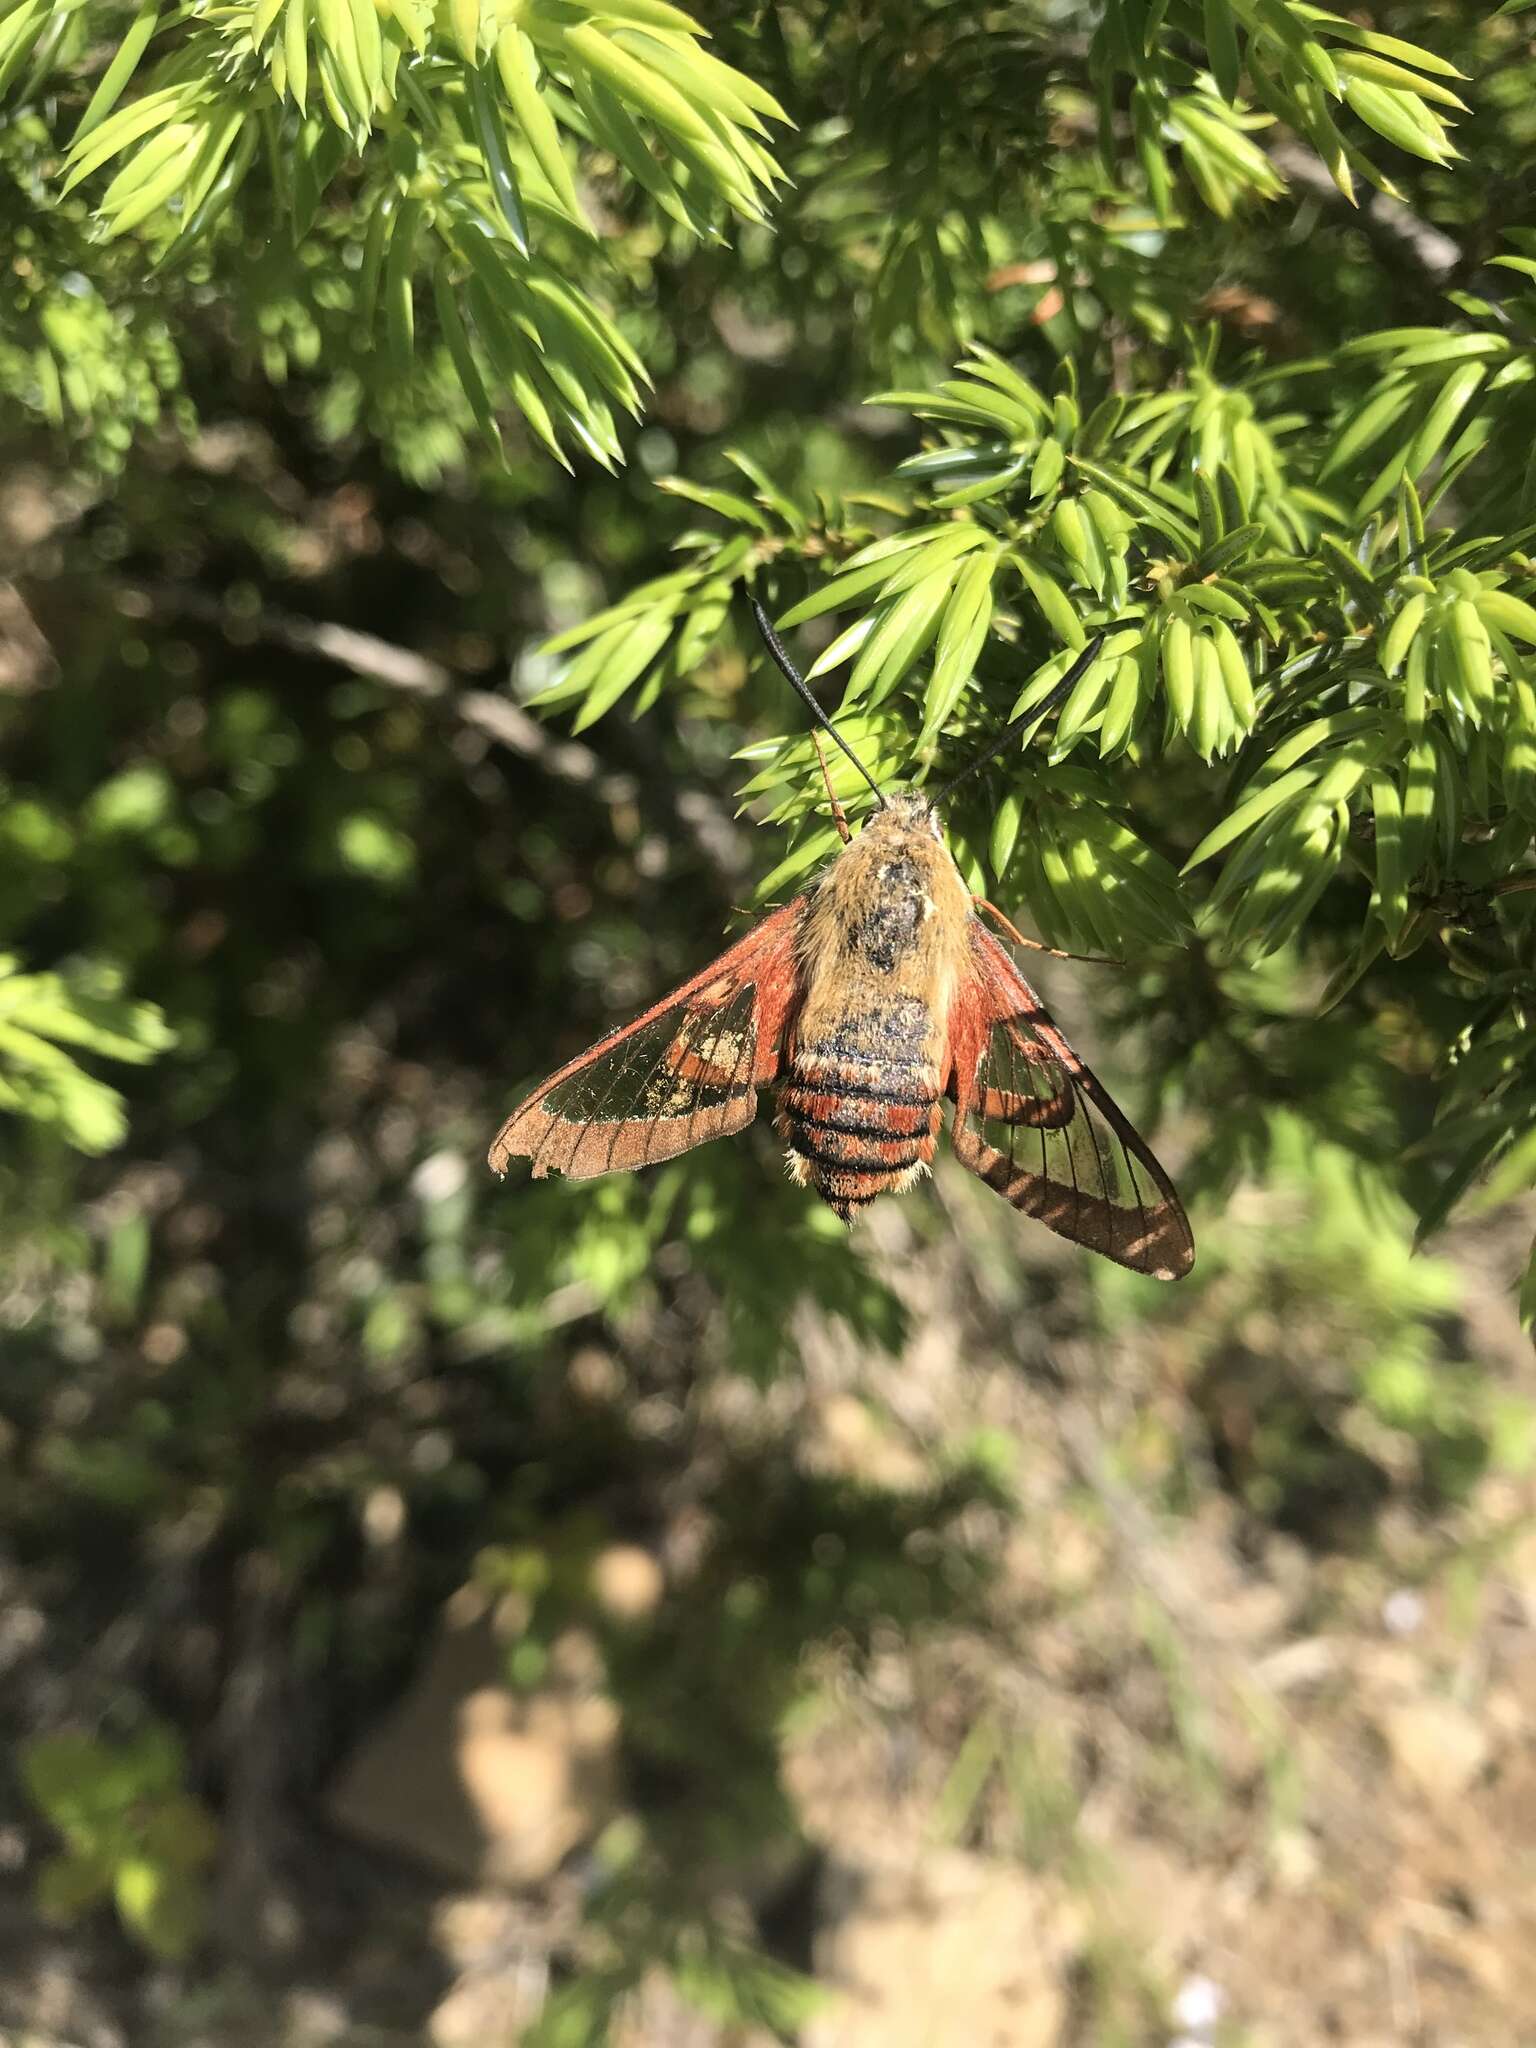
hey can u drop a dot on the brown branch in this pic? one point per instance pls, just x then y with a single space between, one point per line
1391 225
707 821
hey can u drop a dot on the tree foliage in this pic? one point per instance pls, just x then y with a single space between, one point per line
221 137
1315 565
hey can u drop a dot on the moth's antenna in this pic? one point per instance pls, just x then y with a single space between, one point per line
1034 715
798 684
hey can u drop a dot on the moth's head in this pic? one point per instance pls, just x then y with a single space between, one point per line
900 816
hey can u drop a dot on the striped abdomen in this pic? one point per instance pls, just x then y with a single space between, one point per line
860 1122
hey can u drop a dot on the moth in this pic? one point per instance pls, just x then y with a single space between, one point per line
867 1003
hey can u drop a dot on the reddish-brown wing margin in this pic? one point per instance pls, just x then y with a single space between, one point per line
1034 1123
687 1071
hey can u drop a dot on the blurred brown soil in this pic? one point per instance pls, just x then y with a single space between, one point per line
1194 1783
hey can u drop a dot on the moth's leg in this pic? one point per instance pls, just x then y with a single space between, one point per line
839 818
1011 931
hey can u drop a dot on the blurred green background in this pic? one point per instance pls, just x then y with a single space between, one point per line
642 1611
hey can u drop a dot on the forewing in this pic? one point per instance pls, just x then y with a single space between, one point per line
1032 1121
685 1072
